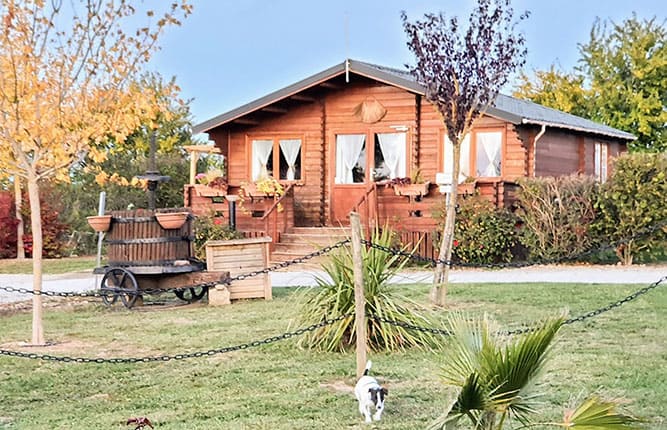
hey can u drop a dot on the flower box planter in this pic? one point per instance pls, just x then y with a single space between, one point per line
418 190
206 191
100 223
241 256
252 191
171 220
466 188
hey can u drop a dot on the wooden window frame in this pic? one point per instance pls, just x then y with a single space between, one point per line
472 162
276 138
370 161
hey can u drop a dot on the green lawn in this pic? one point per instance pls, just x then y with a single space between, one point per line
50 266
619 354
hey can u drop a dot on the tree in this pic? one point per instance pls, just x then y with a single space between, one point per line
66 85
628 204
622 74
495 379
462 74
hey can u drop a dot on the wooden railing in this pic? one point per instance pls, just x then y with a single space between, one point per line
367 207
278 218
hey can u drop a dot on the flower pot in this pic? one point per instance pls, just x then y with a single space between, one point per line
206 191
171 220
99 223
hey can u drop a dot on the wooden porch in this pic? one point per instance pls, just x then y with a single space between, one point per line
413 217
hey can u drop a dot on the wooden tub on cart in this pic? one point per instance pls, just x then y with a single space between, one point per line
146 252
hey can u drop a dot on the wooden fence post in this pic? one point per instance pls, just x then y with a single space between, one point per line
359 297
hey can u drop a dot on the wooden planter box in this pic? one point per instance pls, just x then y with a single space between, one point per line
241 256
206 191
412 189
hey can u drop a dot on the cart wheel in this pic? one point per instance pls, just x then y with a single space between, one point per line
192 294
119 278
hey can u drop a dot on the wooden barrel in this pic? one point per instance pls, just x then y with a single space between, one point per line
137 239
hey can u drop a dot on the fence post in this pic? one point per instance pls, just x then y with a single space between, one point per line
100 236
359 297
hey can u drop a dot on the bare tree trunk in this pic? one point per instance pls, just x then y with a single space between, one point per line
18 203
37 245
441 275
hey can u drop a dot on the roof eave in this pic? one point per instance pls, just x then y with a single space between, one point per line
617 135
268 99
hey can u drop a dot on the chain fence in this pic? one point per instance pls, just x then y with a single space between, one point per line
288 335
519 264
183 356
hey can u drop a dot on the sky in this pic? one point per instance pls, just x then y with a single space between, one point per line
230 52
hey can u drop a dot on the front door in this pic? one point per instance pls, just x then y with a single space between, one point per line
359 160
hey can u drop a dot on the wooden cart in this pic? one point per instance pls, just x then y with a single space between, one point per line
147 253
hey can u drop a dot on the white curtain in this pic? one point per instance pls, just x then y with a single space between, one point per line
261 150
488 153
290 149
348 148
464 162
393 150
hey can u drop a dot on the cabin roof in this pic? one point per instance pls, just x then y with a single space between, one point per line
511 109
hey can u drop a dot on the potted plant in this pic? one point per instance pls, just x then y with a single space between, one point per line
99 223
412 186
211 183
171 220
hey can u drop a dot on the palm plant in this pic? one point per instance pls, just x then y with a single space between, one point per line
495 381
335 298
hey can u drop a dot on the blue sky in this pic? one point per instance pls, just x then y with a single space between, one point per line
230 52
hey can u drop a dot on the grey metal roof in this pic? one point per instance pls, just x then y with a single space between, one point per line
511 109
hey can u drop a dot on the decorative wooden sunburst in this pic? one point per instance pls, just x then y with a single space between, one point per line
370 111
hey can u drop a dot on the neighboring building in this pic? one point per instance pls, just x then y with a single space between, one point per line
337 134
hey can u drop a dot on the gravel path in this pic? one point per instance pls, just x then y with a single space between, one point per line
639 274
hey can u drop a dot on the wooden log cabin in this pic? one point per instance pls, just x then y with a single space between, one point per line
335 137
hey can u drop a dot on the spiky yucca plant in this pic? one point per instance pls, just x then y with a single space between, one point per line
495 379
335 298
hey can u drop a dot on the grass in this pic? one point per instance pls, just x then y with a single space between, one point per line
618 354
53 266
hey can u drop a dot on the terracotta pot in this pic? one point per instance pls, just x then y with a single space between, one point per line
99 222
171 220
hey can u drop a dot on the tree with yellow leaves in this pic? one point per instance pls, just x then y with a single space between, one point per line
67 84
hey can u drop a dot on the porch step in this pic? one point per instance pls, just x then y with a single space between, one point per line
301 241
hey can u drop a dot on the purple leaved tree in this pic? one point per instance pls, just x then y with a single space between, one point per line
462 73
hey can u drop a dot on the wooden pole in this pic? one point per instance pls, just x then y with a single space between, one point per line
359 297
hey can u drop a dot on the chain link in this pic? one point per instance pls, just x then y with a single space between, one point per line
110 292
183 356
524 330
519 264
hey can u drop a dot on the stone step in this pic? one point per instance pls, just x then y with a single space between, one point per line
311 239
321 230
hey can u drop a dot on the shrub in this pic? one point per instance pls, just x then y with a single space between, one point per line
335 298
211 227
557 214
483 234
632 200
8 223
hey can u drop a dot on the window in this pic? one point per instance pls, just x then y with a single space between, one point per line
481 155
389 156
387 159
279 158
350 158
488 153
464 162
601 160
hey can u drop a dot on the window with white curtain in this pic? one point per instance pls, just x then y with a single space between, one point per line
601 161
488 147
279 158
390 153
464 161
350 158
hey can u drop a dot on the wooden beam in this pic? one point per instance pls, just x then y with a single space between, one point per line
330 85
274 109
246 121
302 98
